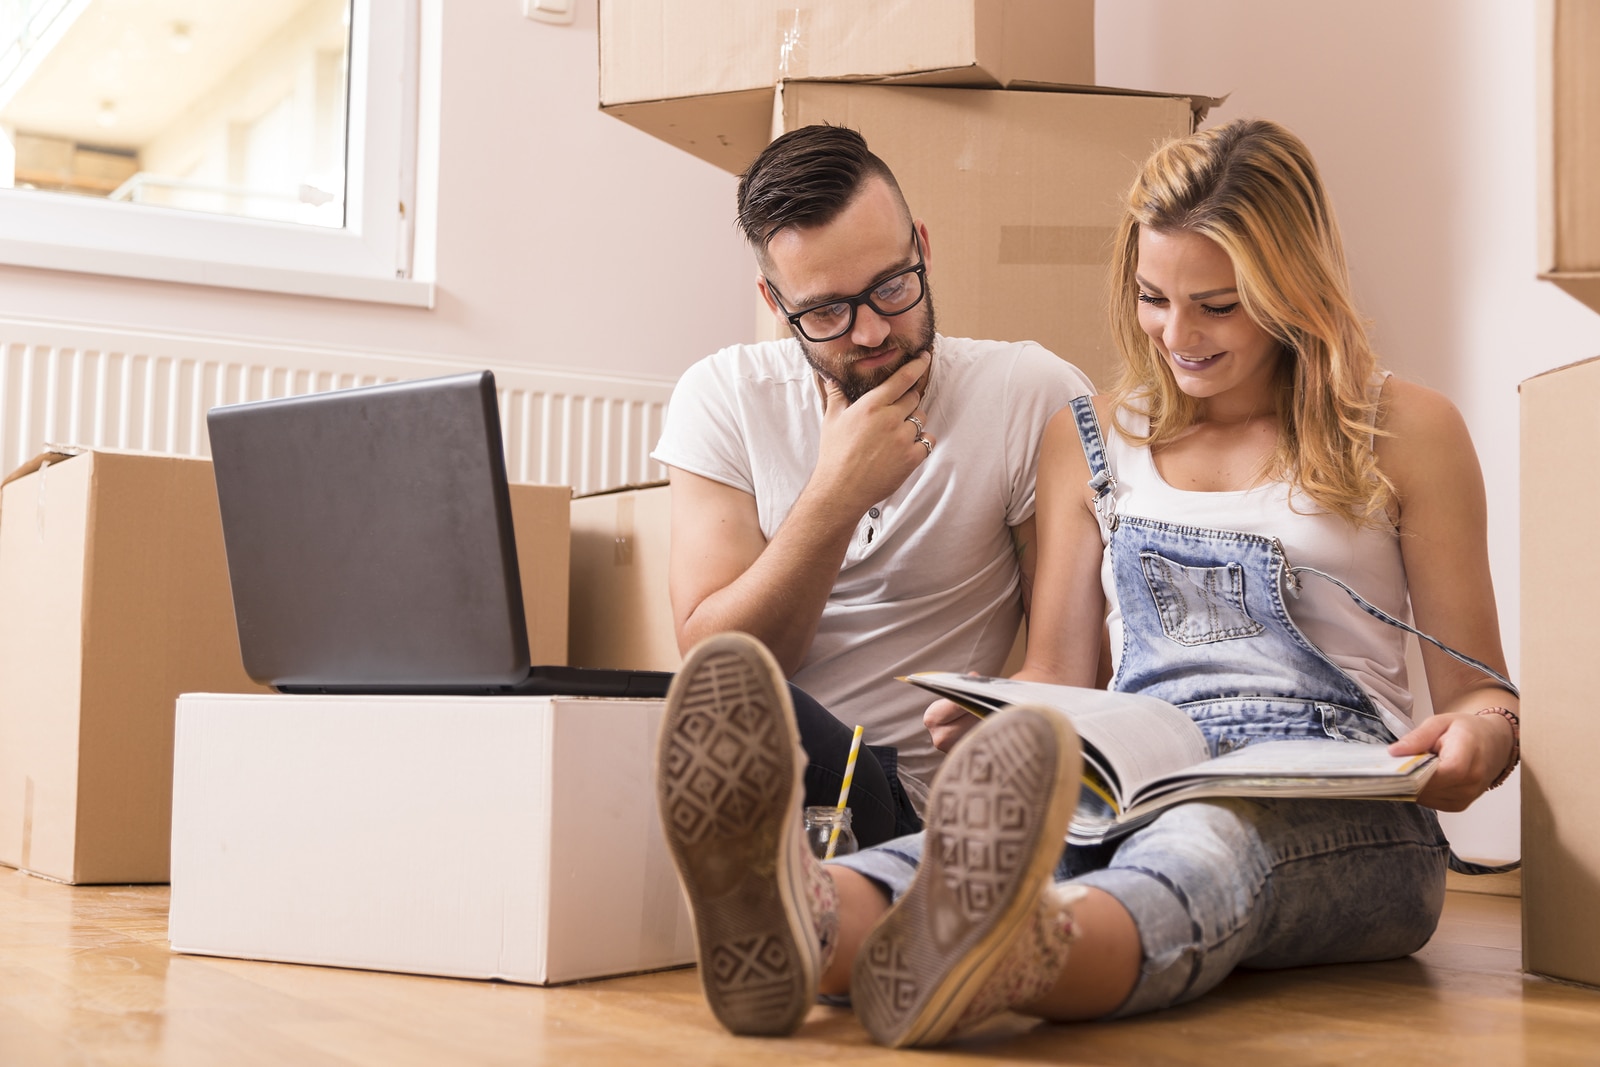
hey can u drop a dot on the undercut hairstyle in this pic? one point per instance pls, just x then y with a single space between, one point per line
1252 187
806 178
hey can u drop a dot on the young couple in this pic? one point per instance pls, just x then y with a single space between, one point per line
1247 517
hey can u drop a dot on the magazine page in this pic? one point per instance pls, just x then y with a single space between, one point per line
1302 767
1128 738
1298 768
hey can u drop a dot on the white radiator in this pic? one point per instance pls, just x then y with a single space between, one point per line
106 388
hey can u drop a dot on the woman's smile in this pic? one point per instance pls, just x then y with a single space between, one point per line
1189 306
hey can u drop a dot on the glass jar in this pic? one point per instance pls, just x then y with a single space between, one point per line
820 825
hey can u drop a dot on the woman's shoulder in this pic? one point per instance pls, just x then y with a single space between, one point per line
1410 411
1423 441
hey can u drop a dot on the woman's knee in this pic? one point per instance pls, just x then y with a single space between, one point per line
1366 884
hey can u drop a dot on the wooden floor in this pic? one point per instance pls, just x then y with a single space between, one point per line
86 978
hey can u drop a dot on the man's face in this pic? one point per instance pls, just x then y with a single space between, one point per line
858 370
867 243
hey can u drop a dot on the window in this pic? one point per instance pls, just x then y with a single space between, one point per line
245 143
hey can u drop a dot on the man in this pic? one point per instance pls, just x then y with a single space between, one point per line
859 497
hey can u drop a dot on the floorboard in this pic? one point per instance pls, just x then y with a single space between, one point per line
86 978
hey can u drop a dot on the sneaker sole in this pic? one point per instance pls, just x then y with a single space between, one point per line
997 818
729 788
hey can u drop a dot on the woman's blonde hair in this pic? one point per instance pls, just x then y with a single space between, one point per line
1252 187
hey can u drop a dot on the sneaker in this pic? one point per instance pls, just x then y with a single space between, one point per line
728 784
982 927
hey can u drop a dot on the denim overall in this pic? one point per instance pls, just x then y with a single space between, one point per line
1232 657
1214 885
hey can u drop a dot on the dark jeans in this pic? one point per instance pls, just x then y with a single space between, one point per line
879 808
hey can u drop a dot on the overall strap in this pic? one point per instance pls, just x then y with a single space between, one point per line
1101 480
1383 616
1456 863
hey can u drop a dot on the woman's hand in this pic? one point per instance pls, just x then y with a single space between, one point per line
1472 749
948 722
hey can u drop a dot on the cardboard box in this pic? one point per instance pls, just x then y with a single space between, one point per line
539 514
113 600
475 837
691 71
1569 153
1021 192
1560 731
621 614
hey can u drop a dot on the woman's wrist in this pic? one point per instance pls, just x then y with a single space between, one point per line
1516 742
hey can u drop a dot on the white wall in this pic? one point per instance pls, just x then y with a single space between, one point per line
1421 115
565 237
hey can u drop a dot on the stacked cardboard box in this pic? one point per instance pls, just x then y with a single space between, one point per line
113 600
701 74
541 520
1020 192
1569 153
984 109
621 615
115 595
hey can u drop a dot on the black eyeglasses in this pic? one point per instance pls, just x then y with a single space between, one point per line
894 295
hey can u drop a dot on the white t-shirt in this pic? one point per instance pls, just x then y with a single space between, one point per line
930 582
1367 559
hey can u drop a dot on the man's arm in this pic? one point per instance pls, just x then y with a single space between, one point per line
725 575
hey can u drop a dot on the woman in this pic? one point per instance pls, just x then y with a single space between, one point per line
1218 511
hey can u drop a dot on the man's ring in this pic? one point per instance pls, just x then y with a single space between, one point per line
925 443
913 420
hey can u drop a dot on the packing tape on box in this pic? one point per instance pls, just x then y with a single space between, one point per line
1055 245
50 454
794 42
622 541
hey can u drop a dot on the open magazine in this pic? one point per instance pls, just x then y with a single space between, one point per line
1141 755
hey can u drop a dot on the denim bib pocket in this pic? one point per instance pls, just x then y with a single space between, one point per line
1198 605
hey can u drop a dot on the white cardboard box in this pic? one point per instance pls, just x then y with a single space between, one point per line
475 837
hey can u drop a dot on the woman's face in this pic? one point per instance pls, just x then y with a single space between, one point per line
1189 305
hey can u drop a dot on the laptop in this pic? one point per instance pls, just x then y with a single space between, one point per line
371 550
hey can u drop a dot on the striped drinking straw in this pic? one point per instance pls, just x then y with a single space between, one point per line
844 791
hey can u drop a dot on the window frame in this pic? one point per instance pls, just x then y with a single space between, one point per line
369 259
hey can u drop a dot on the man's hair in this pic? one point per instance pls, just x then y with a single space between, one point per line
1252 187
805 178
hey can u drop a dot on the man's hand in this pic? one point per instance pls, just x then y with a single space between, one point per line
948 722
1472 750
726 575
871 446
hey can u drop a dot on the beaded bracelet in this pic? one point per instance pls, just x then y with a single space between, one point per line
1516 742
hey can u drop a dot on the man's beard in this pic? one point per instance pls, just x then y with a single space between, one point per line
855 385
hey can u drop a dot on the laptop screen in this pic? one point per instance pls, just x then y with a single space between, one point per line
369 537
